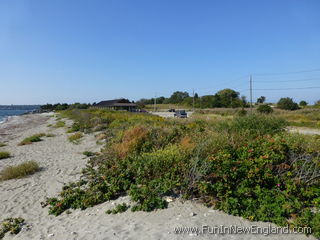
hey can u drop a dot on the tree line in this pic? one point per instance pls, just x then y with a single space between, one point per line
64 106
223 98
226 98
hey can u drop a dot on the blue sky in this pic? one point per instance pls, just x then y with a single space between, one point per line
87 51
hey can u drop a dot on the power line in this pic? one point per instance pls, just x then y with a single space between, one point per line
226 82
284 73
294 80
276 89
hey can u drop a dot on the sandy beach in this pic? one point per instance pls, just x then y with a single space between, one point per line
61 162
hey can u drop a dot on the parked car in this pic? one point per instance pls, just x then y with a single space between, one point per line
181 114
172 110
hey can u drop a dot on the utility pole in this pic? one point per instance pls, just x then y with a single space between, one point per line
155 102
251 94
193 99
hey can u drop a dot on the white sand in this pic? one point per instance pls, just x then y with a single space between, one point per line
62 162
304 130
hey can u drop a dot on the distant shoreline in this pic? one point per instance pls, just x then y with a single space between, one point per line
5 114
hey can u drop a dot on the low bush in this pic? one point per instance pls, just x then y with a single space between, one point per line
12 225
74 128
32 139
264 108
4 155
120 208
75 138
19 171
2 144
242 112
287 104
253 125
88 154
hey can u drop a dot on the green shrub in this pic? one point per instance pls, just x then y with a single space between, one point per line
75 138
287 104
242 112
264 108
32 139
12 225
2 144
74 128
120 208
19 171
253 125
4 155
88 154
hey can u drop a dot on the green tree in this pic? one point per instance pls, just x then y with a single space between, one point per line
303 103
161 100
287 104
261 99
178 97
228 98
207 101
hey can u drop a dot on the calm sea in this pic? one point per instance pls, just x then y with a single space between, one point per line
4 113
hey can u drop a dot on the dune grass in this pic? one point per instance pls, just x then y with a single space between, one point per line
4 155
60 124
19 171
32 139
75 138
50 135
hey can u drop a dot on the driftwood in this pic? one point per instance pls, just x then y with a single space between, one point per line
304 167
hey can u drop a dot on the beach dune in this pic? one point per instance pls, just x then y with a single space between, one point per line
61 162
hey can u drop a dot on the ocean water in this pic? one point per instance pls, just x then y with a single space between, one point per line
4 113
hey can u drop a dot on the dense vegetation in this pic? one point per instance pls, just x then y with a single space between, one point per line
247 166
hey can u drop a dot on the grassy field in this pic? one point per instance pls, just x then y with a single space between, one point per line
246 166
307 117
